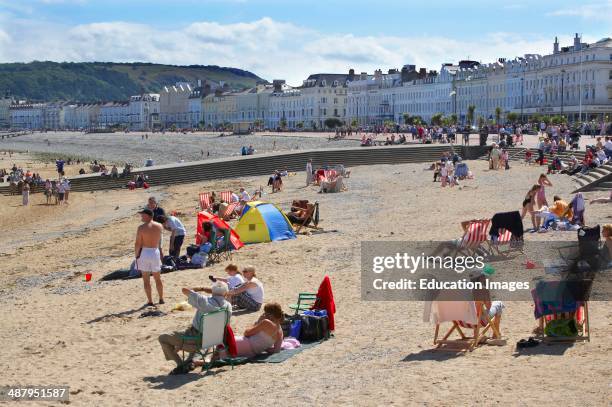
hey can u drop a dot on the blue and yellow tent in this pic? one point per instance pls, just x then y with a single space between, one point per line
263 222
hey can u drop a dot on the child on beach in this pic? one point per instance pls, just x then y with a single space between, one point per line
234 278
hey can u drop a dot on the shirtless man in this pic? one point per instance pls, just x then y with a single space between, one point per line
148 254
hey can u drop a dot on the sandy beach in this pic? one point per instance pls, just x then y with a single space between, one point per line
57 329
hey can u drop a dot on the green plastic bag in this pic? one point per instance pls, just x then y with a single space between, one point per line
561 327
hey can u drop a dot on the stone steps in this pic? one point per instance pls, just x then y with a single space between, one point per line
596 179
265 164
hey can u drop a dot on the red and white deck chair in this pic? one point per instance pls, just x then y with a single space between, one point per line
475 236
226 196
230 210
470 323
505 239
205 200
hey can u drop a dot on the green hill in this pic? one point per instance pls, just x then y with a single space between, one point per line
105 81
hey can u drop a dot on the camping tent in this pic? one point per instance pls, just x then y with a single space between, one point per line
219 223
263 222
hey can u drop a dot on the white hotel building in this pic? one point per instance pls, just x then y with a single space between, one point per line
574 81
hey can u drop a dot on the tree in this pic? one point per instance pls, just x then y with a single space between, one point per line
546 120
201 124
481 121
512 117
498 113
436 119
453 119
332 122
389 123
299 125
407 119
283 123
470 114
354 123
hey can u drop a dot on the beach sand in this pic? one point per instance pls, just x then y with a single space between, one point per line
57 329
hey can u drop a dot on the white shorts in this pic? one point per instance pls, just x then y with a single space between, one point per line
149 261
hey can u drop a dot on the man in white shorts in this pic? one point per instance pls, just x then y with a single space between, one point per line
148 254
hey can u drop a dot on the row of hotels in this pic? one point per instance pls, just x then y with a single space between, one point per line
575 81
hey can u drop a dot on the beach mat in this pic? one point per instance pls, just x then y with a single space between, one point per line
279 357
283 355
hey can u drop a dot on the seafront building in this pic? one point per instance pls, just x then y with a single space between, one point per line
5 116
574 81
144 112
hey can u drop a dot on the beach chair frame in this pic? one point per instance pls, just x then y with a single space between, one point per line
205 201
586 329
475 238
312 215
465 343
305 302
219 253
226 196
208 342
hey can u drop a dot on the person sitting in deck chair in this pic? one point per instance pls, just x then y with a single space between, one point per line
170 343
298 213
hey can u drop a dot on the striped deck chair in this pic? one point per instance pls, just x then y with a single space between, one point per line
204 200
473 316
226 196
475 236
229 211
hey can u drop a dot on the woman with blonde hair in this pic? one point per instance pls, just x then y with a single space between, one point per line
250 294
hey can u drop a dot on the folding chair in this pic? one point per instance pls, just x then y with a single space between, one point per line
474 238
213 334
204 200
463 315
305 302
563 300
218 253
226 196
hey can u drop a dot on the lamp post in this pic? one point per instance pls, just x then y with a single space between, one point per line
562 91
522 91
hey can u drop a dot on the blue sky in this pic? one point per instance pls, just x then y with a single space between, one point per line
292 38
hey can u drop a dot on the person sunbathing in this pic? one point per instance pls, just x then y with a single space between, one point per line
266 335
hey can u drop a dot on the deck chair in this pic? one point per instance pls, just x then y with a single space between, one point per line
213 335
475 237
305 301
205 200
469 316
311 218
563 300
226 196
229 211
505 239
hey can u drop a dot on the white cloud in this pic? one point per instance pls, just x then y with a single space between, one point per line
269 48
601 10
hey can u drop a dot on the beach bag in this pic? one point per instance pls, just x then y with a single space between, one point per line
314 328
288 326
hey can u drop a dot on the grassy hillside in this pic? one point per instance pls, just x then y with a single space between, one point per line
104 81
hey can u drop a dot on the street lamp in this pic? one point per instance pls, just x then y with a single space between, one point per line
562 91
522 91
